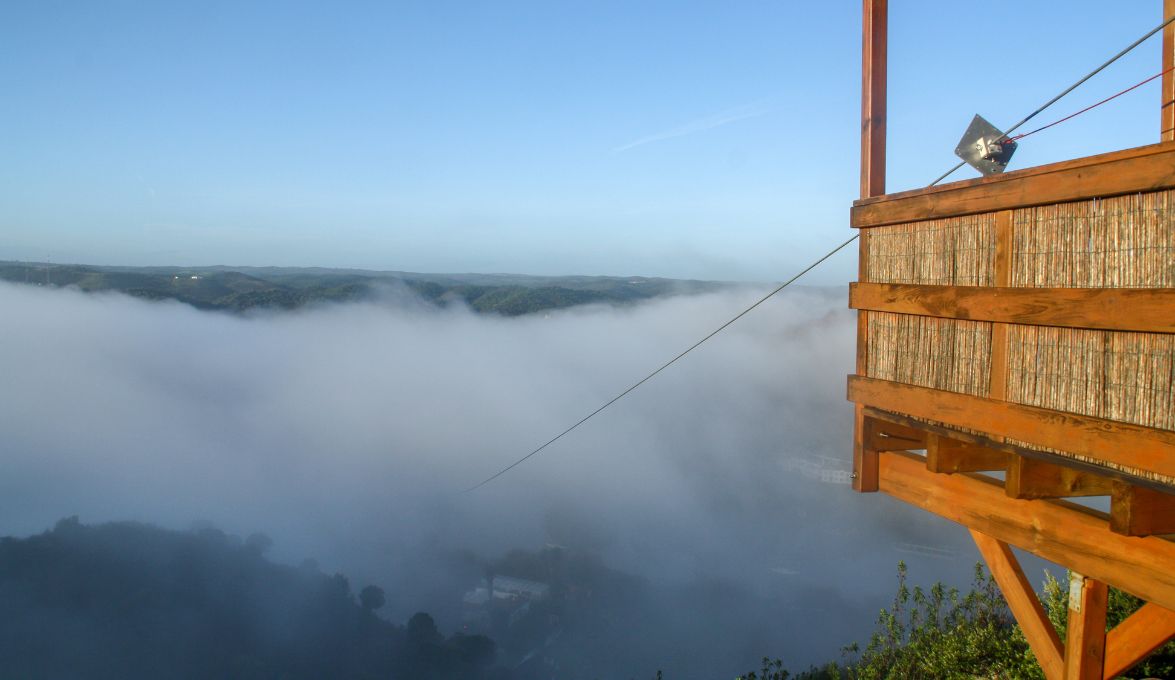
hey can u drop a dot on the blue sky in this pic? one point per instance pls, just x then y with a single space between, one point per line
684 139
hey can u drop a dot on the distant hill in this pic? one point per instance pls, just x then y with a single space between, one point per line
128 601
239 289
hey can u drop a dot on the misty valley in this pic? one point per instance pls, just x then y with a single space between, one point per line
281 491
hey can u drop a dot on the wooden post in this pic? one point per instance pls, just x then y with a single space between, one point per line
874 37
1167 119
1085 644
874 31
998 380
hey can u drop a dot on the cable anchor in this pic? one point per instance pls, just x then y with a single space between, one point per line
985 148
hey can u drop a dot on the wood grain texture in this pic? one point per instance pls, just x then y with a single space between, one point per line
1167 98
1141 633
1085 641
1146 168
1031 478
1004 235
874 44
946 455
1129 446
1150 310
864 458
1062 532
1135 511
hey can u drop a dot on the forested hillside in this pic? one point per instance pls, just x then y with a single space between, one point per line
127 600
245 288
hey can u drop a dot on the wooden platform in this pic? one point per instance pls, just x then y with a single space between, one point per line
1016 348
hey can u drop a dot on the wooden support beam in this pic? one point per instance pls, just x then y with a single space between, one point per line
891 437
1135 511
874 42
1118 309
1167 97
945 455
1130 446
1031 478
1058 531
1025 606
864 458
993 441
1145 168
1085 643
1134 639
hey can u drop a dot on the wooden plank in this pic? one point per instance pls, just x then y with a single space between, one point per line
998 377
1059 531
945 455
1131 446
1146 168
874 43
1167 97
885 436
864 458
1134 639
1031 478
1025 606
1122 309
1085 642
1135 511
1004 245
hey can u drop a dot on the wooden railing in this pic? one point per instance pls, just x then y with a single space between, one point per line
990 430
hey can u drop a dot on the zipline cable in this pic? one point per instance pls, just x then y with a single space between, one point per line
664 366
1091 107
1072 87
830 253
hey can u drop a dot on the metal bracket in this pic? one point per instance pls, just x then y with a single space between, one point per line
985 148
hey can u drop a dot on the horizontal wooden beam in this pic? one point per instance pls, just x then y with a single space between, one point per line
1065 533
1130 446
885 436
995 442
1134 639
1031 478
1146 168
1121 309
947 455
1135 511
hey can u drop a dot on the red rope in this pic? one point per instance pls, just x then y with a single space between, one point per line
1093 106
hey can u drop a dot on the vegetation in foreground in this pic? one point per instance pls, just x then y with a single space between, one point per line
941 633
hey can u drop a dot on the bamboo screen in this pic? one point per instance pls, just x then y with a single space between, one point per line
957 251
1121 242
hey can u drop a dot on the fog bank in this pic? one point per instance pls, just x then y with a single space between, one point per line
349 432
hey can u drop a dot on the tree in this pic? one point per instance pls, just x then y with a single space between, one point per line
422 630
372 598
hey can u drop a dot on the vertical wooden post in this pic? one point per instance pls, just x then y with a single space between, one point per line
1085 643
1167 119
874 38
873 77
997 383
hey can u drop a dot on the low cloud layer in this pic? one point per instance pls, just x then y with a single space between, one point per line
348 434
